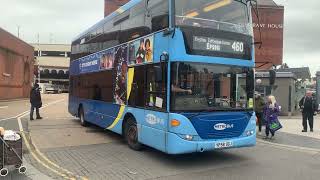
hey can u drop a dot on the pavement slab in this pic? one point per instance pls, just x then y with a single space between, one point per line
295 140
293 125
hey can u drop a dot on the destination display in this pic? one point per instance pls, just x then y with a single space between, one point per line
218 45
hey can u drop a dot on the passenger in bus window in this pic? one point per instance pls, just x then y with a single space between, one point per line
140 55
97 93
210 89
177 89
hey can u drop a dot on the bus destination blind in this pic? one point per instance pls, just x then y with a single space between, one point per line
218 45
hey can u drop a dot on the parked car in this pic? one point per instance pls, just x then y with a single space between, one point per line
48 88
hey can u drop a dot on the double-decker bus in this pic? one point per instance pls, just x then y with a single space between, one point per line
175 75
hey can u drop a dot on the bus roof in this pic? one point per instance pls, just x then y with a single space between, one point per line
109 17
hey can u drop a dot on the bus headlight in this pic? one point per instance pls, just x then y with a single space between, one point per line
188 137
249 133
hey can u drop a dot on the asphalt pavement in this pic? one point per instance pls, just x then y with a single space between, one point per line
60 148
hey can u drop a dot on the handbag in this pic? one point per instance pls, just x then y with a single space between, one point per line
275 126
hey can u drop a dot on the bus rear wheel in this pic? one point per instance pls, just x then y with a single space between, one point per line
131 135
81 116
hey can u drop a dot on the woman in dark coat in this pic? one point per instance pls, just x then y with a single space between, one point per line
271 113
35 101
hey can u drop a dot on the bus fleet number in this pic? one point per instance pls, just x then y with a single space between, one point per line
237 46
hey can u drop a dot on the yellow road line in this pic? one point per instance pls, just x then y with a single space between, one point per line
39 161
34 155
50 162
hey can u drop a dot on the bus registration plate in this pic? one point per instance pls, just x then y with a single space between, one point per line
224 144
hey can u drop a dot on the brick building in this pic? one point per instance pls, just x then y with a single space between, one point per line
112 5
16 66
271 17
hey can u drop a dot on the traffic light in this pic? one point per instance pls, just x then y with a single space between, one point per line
272 77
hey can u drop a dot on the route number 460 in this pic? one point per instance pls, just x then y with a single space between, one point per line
237 46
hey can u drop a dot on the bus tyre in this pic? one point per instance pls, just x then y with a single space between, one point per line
131 135
4 172
81 116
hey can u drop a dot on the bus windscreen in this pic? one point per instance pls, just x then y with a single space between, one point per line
225 15
205 87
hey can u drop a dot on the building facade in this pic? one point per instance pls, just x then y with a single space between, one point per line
284 90
270 25
52 63
112 5
16 67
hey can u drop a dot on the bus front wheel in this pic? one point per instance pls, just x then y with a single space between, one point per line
131 135
81 116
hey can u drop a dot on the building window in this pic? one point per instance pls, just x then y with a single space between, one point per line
36 53
53 53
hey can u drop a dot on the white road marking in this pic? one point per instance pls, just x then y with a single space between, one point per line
27 112
312 151
14 117
4 107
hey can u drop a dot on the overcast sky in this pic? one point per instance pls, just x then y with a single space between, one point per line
59 21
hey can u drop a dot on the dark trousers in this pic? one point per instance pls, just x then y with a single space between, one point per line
260 120
307 116
31 111
268 130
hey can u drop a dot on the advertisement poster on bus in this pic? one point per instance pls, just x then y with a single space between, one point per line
89 63
107 59
121 67
141 51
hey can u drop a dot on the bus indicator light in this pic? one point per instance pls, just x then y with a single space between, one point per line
175 123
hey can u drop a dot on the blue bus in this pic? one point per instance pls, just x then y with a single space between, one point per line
175 75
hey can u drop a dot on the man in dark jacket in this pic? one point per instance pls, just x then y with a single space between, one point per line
259 105
35 100
308 106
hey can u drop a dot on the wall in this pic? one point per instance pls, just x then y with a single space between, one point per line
16 67
271 25
285 96
112 5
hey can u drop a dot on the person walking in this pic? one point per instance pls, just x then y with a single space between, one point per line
271 112
259 105
308 106
35 100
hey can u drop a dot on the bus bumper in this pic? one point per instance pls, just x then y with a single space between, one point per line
178 145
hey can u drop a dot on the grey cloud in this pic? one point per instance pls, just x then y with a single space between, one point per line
64 19
301 33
